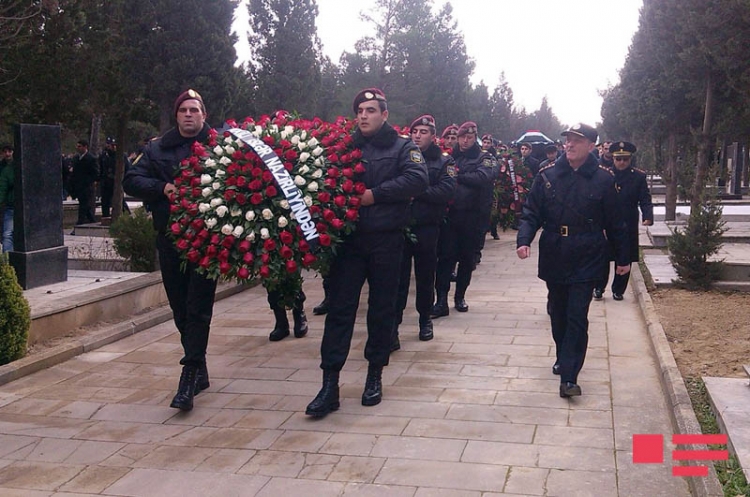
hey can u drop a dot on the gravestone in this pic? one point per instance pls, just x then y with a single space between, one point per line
39 255
735 164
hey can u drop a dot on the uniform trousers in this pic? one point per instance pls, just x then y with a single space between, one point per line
458 243
191 297
619 283
371 257
424 252
569 308
86 204
274 300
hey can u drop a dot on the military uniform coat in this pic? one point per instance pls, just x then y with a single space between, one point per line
632 193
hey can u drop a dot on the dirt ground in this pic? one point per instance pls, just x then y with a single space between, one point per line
709 332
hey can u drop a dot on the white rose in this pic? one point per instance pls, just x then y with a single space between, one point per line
284 204
228 140
258 130
210 163
319 163
284 134
221 210
225 160
227 229
230 150
291 214
289 130
218 150
206 179
264 234
211 222
274 128
283 222
207 191
308 200
317 151
312 187
216 185
215 202
250 215
318 172
203 208
302 145
312 142
267 214
235 212
299 180
303 135
250 236
303 157
238 230
220 173
295 140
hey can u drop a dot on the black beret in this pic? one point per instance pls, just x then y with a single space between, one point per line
367 94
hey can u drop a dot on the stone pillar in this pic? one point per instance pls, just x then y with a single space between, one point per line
39 254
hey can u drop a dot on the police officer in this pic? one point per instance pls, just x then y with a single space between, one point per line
574 202
427 213
459 240
632 193
395 172
191 295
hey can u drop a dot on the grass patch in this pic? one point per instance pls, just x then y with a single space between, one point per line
730 473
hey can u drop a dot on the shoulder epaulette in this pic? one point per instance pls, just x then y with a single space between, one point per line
404 136
639 170
445 154
547 167
604 168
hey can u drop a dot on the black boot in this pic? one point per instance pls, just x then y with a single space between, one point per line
321 308
201 381
327 399
373 393
440 308
300 322
183 399
281 330
461 305
425 329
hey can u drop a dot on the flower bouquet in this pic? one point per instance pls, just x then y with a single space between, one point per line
267 199
510 190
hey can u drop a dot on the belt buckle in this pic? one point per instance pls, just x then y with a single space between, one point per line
563 230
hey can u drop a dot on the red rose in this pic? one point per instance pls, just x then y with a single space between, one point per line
174 209
286 252
212 250
228 242
197 243
314 209
269 245
264 272
351 214
215 239
348 186
303 246
176 228
248 258
291 267
196 192
185 221
339 200
182 244
241 198
331 183
360 188
193 256
189 234
348 172
265 258
243 273
270 191
183 192
333 172
325 240
267 176
356 154
290 155
332 158
225 267
205 262
322 228
197 224
257 172
244 246
308 260
329 215
346 159
203 234
324 197
241 182
288 166
338 224
229 195
256 198
286 237
285 144
232 181
255 185
269 140
355 202
223 255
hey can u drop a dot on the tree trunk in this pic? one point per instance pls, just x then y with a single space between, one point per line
703 156
670 178
165 118
96 127
118 194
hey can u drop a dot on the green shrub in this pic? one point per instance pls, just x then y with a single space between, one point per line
690 249
15 316
135 239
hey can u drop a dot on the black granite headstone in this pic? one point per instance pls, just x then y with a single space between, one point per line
39 256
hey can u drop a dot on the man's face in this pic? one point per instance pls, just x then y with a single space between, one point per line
370 118
81 149
525 150
7 154
605 150
486 143
577 148
465 142
422 136
622 161
551 156
190 118
450 141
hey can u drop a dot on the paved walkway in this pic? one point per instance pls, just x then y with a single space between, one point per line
475 412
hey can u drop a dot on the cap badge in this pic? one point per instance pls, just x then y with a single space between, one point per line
576 127
622 145
193 94
369 95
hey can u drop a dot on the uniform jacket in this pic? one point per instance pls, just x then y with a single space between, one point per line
395 172
85 173
429 207
476 173
532 163
584 201
157 165
632 193
6 185
107 167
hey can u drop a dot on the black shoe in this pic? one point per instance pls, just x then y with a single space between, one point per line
425 330
201 379
569 389
321 308
440 308
598 294
183 399
300 323
395 344
373 393
556 369
617 296
327 399
281 329
495 236
461 305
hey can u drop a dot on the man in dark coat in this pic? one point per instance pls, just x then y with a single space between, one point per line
632 193
574 202
395 173
83 179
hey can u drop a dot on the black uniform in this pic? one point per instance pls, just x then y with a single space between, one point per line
575 209
84 175
632 193
427 214
191 295
459 240
107 169
395 172
532 163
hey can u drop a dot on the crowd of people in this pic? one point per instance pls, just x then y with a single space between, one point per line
441 188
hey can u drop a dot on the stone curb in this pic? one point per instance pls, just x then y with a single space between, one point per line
62 353
683 416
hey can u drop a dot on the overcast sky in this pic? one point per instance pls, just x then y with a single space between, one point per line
567 50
